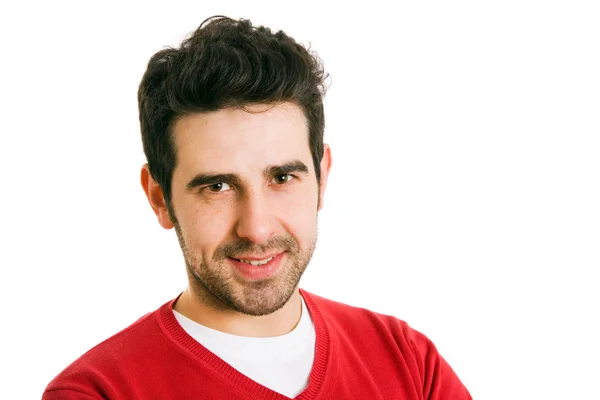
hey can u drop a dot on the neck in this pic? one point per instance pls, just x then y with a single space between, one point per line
205 312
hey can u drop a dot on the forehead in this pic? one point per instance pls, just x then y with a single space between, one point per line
235 140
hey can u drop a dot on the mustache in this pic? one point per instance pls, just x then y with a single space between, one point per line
245 247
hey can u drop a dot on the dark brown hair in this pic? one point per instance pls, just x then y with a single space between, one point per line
226 63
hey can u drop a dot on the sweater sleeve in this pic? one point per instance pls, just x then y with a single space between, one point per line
65 394
440 382
79 382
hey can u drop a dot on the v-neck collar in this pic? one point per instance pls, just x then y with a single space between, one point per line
322 375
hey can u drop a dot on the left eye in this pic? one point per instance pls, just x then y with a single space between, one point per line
281 179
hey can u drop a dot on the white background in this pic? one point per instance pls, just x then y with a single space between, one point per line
464 195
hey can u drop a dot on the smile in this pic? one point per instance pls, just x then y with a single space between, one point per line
257 268
256 262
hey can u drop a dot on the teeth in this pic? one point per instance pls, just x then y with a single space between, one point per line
258 262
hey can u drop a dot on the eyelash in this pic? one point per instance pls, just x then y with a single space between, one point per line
207 188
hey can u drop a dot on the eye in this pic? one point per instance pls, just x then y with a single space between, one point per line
219 187
282 179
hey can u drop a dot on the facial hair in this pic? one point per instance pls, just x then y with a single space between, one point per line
215 283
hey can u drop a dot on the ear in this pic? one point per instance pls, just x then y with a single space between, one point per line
155 196
325 168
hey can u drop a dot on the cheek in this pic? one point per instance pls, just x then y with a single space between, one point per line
204 226
300 218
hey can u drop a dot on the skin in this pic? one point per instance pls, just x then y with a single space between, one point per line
254 208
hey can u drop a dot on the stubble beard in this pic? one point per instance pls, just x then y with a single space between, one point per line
214 282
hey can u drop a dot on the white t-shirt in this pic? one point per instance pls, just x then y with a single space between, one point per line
281 363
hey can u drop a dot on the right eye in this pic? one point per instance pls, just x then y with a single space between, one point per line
219 187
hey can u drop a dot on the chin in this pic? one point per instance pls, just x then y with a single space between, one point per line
261 298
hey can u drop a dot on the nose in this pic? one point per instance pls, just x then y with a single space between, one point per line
257 221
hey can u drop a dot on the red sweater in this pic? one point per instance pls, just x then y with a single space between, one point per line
359 355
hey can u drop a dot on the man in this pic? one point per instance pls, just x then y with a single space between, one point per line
232 125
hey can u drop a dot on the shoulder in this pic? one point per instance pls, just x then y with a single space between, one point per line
377 337
343 314
362 321
108 359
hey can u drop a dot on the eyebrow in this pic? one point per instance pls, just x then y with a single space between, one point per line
202 179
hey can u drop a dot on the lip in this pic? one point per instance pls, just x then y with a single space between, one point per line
254 273
254 258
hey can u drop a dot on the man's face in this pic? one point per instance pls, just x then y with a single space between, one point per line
244 189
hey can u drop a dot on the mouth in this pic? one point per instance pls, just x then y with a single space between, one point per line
256 263
257 269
